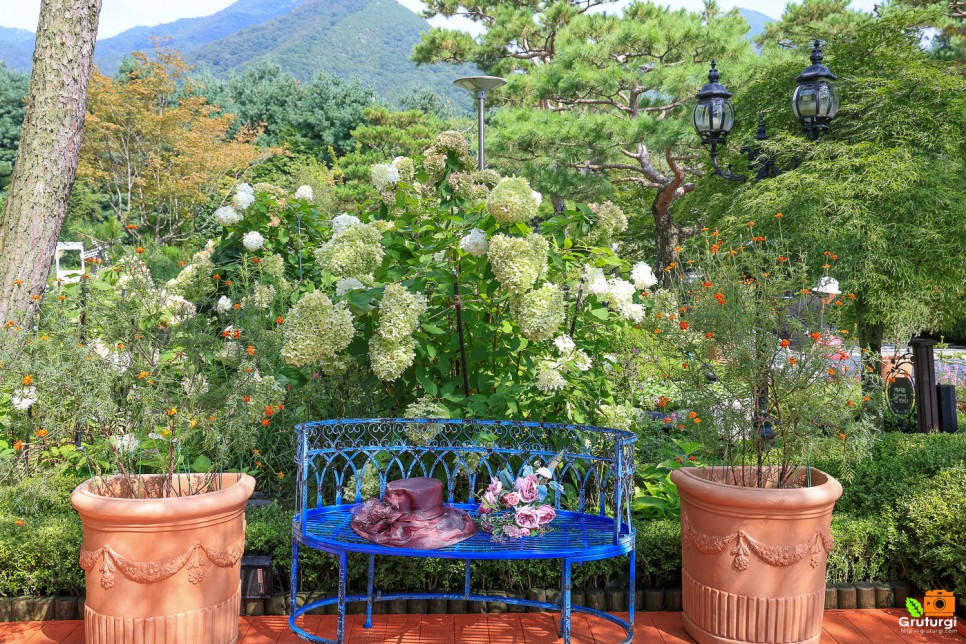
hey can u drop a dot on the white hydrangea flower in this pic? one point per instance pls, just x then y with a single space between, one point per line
643 276
347 284
305 193
580 360
382 225
548 377
24 398
178 309
356 251
475 242
565 344
126 442
390 359
253 240
594 280
537 197
244 188
262 296
230 353
384 175
273 265
620 293
342 223
539 313
618 416
399 313
517 262
210 246
224 304
632 312
513 201
227 216
242 200
610 221
315 330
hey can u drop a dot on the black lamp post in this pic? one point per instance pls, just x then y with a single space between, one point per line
815 103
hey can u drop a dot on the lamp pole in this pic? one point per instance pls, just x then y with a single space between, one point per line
480 85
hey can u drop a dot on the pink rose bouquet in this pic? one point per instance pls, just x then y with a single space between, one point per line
519 507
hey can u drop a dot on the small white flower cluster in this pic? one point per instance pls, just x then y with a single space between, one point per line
194 281
355 249
305 193
643 276
539 313
595 282
177 309
261 297
464 185
273 266
227 216
315 330
224 304
24 398
392 348
347 284
570 359
230 353
618 293
475 242
253 240
244 196
517 262
384 175
512 201
610 221
619 416
126 443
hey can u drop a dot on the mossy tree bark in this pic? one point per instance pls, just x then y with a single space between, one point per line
49 149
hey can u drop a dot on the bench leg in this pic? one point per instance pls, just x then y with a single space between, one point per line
294 585
466 580
372 574
343 572
632 555
565 602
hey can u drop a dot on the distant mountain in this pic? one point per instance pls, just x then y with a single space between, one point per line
366 40
188 34
16 48
757 20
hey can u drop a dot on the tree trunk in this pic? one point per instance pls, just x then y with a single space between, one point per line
49 149
667 233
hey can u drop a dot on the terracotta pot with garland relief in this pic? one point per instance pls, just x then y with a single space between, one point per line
754 558
163 568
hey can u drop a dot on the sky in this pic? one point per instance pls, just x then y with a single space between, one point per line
119 15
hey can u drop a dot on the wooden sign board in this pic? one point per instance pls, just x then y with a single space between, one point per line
900 396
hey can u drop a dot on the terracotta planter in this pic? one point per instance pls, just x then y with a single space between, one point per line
754 558
163 570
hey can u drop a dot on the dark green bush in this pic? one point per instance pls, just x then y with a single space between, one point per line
900 464
865 548
932 526
40 538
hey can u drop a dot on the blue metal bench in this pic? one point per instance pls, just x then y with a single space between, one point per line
593 520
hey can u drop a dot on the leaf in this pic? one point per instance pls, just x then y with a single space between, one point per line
914 607
201 464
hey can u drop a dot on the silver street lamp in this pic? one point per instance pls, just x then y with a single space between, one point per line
480 85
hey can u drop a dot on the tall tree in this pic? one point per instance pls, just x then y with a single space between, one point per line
881 194
13 89
49 149
597 100
156 146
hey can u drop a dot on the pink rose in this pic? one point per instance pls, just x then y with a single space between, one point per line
484 509
512 531
495 486
546 514
511 499
527 488
489 498
524 532
527 518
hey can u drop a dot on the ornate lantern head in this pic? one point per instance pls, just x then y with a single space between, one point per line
816 99
714 115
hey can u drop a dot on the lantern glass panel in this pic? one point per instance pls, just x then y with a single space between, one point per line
715 115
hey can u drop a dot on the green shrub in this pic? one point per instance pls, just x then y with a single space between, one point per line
864 549
932 524
900 464
40 538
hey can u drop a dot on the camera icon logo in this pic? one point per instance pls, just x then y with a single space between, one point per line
939 603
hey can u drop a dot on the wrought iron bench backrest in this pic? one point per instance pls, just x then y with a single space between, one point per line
342 461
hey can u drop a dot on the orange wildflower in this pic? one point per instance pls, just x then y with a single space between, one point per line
132 227
250 350
831 371
18 445
41 433
27 379
266 422
172 411
246 399
683 325
255 260
697 420
657 330
269 410
236 306
792 360
692 458
281 475
815 335
842 435
693 414
778 215
709 335
236 334
139 249
784 344
279 320
663 401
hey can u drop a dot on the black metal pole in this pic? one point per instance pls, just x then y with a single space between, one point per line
924 370
459 328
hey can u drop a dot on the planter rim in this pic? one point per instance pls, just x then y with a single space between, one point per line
95 506
824 491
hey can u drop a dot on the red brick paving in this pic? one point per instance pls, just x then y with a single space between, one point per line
840 627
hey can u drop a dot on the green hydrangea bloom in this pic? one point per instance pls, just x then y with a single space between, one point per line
518 261
611 221
315 330
390 359
539 313
356 252
513 201
399 313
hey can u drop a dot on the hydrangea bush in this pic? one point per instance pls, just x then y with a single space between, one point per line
455 290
